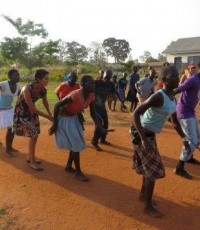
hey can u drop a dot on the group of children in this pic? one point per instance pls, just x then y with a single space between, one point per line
148 120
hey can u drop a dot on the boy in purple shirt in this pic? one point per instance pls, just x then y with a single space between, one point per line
185 110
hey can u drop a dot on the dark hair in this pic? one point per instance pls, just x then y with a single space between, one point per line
166 64
101 72
40 73
108 73
135 68
169 71
85 79
198 65
73 74
11 72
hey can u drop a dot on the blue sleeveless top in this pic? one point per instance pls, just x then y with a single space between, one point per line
155 117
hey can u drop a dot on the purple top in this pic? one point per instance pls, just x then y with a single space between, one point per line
189 97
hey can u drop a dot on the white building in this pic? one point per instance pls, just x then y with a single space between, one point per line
184 51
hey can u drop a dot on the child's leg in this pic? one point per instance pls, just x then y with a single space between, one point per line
149 209
142 191
115 102
68 167
79 174
9 141
131 107
109 104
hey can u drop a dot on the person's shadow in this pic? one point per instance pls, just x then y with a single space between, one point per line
114 195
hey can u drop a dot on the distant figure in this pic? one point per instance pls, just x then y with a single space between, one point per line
100 77
145 87
112 98
121 88
8 90
131 96
165 64
149 68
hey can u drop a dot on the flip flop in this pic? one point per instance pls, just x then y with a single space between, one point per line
37 161
36 167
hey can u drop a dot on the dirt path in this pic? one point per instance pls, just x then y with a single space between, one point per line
53 199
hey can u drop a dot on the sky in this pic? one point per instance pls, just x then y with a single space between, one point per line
146 24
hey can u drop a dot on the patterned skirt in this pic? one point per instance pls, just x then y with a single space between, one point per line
69 134
26 125
6 118
149 164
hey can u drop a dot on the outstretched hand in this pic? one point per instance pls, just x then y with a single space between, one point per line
52 130
147 145
124 107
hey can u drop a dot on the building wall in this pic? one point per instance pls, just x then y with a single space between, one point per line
170 57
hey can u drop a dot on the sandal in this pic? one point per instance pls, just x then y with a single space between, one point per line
36 167
37 161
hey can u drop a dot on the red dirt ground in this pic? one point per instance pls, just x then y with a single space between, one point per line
53 199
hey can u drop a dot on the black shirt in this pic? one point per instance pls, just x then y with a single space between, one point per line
102 90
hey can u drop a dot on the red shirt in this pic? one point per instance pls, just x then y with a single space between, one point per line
64 89
78 103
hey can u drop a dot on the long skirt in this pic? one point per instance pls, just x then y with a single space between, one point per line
6 118
149 164
69 134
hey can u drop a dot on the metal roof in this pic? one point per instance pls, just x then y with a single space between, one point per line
184 45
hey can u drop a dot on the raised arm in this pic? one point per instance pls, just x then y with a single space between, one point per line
57 107
46 105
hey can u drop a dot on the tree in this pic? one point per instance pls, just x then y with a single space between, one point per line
145 57
76 52
117 48
161 57
45 53
97 54
29 29
62 52
14 49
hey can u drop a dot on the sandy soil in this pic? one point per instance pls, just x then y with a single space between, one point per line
53 199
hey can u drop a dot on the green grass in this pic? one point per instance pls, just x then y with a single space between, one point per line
8 221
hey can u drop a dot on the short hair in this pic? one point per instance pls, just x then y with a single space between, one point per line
135 68
166 64
108 74
101 72
73 74
169 71
40 74
85 79
11 72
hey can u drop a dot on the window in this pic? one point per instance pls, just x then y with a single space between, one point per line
193 60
